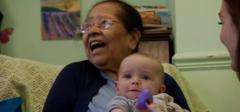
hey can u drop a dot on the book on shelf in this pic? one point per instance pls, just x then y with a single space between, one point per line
155 28
158 15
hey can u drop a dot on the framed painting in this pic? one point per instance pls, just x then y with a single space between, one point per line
60 19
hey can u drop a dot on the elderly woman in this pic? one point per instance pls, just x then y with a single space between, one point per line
111 32
230 34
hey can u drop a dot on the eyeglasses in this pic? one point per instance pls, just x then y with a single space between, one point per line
102 23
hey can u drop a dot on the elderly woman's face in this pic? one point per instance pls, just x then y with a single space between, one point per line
106 41
229 35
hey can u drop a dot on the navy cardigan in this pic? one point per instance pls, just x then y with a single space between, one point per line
79 82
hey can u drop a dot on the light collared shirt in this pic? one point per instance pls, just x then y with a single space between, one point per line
105 94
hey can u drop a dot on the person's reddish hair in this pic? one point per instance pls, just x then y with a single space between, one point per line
233 7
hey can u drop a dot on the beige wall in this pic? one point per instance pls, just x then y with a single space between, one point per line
202 58
24 16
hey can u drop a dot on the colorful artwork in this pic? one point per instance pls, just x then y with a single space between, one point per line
60 19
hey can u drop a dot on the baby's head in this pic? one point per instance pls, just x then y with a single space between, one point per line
138 72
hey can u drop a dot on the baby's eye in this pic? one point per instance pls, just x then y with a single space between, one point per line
146 77
127 76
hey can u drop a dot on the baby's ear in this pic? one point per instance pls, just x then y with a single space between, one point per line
116 83
162 88
116 86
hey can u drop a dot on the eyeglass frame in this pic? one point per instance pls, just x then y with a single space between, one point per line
98 22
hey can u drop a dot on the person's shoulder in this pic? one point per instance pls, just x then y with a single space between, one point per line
84 65
76 69
79 64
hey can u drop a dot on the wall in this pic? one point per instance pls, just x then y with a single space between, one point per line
202 58
24 16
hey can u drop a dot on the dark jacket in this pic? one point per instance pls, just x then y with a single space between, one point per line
79 82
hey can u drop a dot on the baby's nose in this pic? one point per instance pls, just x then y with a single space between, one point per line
136 81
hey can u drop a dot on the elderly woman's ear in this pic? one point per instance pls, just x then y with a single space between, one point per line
135 37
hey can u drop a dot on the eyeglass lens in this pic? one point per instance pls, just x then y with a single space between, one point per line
102 23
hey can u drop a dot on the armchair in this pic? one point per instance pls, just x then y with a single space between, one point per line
29 81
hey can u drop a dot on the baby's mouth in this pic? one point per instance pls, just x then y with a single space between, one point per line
135 90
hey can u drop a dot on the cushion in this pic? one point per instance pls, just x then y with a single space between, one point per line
11 105
194 102
27 79
31 81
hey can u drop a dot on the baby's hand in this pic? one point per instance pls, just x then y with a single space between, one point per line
144 97
153 107
150 107
117 110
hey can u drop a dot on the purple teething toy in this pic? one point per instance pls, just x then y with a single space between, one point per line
144 97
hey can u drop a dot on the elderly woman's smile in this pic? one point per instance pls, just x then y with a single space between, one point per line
96 44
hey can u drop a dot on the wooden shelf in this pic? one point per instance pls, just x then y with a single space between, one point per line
162 35
158 45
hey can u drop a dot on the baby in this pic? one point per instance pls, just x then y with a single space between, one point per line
139 72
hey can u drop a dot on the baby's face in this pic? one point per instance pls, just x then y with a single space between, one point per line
137 73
